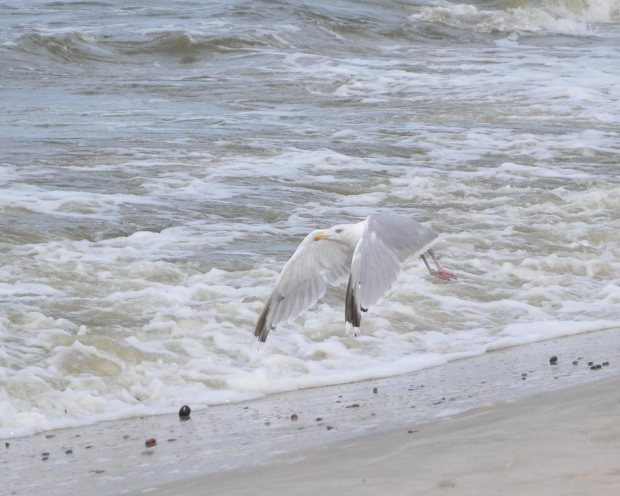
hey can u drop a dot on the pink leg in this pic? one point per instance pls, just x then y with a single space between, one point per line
440 273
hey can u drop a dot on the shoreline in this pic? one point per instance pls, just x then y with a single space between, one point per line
561 442
219 442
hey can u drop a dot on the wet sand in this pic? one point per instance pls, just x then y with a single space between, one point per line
564 442
506 421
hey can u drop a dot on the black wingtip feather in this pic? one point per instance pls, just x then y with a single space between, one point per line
262 328
352 309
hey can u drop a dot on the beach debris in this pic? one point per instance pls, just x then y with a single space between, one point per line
149 443
294 416
184 412
375 390
553 360
354 405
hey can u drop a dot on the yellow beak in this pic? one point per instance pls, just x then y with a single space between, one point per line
320 236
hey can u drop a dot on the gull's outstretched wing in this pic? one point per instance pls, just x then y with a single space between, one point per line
316 262
388 240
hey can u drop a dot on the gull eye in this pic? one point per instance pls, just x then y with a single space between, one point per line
338 230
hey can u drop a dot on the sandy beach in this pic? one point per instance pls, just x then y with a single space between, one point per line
507 420
564 442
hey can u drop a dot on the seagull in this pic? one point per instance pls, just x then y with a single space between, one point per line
369 254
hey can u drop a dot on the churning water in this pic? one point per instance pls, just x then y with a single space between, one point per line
161 163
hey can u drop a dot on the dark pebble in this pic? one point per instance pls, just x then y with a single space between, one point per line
45 453
68 452
605 364
171 440
595 367
553 360
149 443
354 405
49 436
375 390
575 362
89 446
329 427
411 432
6 445
590 364
268 423
294 416
184 412
126 436
318 419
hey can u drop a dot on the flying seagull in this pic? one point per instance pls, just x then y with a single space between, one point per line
368 253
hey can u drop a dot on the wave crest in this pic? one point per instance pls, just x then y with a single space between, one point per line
564 16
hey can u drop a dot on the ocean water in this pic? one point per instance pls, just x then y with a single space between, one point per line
161 163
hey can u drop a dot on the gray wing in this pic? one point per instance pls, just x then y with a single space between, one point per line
303 281
388 240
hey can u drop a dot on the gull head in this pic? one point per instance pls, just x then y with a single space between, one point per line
346 233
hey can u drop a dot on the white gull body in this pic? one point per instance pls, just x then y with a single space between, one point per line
369 254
